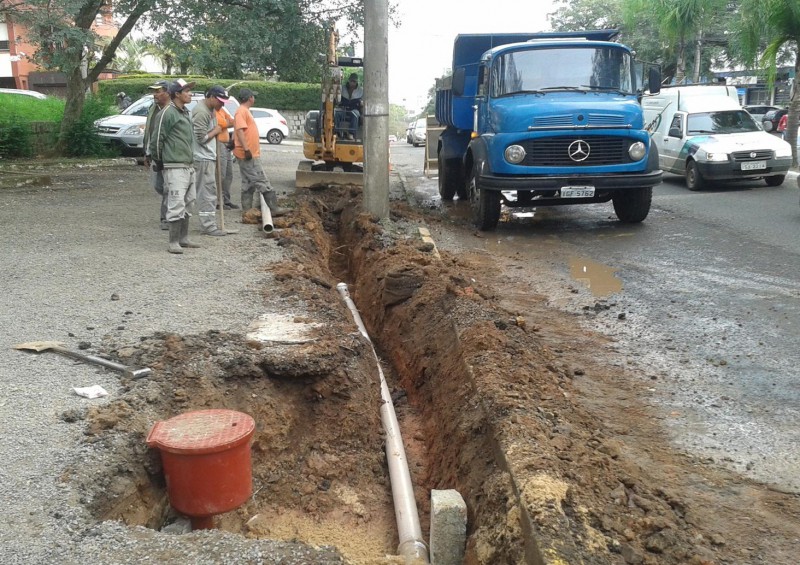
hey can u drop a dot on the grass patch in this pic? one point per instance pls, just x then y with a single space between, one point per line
30 109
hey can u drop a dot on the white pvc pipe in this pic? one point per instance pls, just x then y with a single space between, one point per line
411 546
266 216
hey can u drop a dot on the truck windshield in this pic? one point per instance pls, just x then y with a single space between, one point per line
731 121
563 68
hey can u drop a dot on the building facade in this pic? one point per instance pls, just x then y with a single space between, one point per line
17 69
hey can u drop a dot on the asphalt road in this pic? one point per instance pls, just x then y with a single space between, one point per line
708 289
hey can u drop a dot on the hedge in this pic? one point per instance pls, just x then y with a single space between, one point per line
280 95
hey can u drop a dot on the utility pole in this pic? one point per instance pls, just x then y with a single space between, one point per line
376 108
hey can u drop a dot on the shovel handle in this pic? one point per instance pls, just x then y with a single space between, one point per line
124 369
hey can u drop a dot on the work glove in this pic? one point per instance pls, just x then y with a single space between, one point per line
247 155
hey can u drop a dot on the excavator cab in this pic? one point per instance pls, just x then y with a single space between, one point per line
333 135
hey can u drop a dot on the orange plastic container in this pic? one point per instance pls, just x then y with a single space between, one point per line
206 458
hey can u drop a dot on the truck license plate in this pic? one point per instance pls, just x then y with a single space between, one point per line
754 165
577 191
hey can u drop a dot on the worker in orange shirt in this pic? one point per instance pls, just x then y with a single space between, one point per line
225 120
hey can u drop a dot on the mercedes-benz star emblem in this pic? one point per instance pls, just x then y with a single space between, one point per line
578 150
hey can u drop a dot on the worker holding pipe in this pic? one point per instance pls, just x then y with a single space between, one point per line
247 152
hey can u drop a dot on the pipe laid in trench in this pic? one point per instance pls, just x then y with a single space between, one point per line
411 546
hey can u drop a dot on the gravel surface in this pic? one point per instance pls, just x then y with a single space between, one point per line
85 263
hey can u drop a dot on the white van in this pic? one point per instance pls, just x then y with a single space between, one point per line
703 133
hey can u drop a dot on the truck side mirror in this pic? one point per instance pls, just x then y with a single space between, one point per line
459 75
654 80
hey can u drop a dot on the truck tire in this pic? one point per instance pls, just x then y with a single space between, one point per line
485 203
632 206
694 179
451 180
776 180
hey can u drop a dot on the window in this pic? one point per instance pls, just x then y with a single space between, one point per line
3 44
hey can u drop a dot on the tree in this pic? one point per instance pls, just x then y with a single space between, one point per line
64 40
131 54
766 30
678 22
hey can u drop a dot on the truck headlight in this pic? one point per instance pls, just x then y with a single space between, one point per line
716 157
515 154
637 151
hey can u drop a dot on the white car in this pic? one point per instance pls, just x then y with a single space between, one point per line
271 125
126 130
32 93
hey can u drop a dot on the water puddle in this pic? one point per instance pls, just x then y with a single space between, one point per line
597 277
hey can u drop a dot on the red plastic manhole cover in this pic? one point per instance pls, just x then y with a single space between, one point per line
202 431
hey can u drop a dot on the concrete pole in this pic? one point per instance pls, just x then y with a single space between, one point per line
376 108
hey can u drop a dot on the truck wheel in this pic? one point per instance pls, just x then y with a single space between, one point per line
632 206
694 180
776 180
485 204
451 180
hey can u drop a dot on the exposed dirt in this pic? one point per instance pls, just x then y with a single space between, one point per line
500 396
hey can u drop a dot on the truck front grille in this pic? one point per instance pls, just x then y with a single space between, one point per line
555 151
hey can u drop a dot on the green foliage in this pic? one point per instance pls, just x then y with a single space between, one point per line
278 95
16 139
81 139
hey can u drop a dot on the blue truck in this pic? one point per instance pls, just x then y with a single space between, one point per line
546 119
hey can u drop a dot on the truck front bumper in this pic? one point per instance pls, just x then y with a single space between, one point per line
601 183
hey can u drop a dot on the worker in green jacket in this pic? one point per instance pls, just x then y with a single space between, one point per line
171 151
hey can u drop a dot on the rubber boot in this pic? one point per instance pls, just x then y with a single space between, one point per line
247 201
174 237
272 201
184 237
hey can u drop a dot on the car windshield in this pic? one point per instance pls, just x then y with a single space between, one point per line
731 121
547 70
140 107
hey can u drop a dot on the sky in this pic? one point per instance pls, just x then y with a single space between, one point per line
421 49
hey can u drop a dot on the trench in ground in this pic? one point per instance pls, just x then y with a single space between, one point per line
319 471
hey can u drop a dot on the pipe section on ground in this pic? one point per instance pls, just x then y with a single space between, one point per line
266 216
411 547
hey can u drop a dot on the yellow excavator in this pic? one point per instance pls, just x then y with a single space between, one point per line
333 157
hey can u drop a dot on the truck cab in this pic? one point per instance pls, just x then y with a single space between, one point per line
545 119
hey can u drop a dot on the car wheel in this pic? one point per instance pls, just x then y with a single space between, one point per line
274 137
694 180
485 203
632 206
776 180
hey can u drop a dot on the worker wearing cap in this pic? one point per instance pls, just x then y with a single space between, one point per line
171 151
247 152
161 99
225 120
206 130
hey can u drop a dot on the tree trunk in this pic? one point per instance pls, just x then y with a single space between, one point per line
698 53
794 110
76 97
680 71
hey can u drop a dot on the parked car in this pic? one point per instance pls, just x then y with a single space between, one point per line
271 125
772 118
758 111
419 134
126 130
21 92
392 138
